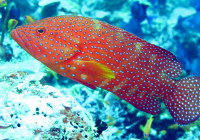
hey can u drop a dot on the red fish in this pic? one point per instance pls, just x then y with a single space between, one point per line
97 54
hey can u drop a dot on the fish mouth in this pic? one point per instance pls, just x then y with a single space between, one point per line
18 38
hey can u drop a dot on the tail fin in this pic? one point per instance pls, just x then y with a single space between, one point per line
184 103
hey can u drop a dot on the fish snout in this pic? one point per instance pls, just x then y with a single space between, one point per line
15 35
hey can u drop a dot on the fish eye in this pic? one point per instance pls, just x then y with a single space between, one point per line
40 30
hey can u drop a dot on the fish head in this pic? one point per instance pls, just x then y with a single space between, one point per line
51 40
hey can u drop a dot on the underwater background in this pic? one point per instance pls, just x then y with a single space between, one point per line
37 103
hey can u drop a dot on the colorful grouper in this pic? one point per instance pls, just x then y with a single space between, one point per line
97 54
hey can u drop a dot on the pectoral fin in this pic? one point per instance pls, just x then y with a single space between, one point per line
94 69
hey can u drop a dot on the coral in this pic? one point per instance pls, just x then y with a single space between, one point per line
103 105
30 110
191 135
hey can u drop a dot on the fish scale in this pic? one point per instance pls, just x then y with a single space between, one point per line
97 54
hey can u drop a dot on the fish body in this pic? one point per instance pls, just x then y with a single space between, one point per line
3 3
139 11
29 19
146 129
12 23
97 54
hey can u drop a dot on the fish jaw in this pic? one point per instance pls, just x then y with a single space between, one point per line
19 38
15 35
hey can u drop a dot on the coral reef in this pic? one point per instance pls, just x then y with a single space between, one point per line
30 110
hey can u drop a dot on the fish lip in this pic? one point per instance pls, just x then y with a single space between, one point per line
16 36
